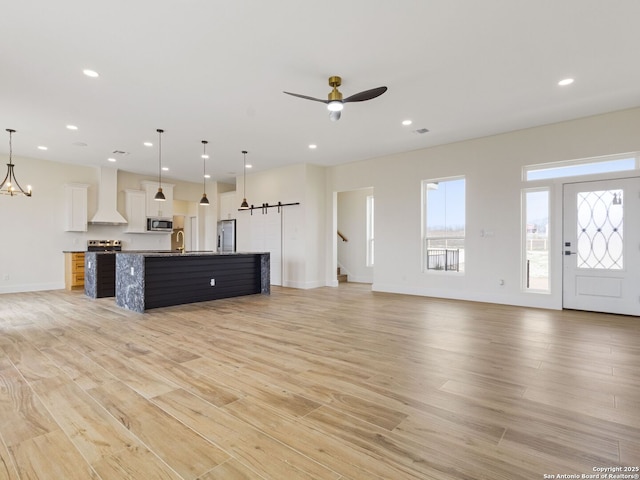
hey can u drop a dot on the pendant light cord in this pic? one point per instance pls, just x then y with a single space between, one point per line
204 167
159 157
244 174
10 145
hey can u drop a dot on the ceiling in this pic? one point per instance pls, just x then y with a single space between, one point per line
215 70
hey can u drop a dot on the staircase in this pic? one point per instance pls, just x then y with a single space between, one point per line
342 277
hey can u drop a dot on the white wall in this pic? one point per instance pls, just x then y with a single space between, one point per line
492 167
314 205
303 235
352 223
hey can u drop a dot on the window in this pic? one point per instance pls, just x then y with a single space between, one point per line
443 224
536 239
600 230
369 230
583 167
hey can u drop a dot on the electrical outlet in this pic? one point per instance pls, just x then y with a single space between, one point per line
212 282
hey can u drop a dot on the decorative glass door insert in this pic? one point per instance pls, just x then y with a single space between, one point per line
600 229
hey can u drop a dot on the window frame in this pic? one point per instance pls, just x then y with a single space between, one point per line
370 231
523 246
527 169
425 238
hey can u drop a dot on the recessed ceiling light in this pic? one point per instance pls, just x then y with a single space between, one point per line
72 127
406 122
111 159
207 176
313 147
204 156
90 73
148 144
42 147
565 82
249 166
165 169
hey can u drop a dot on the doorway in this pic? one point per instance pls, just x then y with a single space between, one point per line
354 235
601 246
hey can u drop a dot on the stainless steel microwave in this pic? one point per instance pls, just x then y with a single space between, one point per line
159 225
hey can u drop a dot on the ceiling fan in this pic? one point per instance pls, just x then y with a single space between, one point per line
335 102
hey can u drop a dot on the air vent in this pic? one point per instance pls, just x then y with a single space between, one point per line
421 130
120 152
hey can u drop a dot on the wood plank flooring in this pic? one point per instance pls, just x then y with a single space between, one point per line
331 383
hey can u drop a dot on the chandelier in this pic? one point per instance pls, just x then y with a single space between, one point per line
10 185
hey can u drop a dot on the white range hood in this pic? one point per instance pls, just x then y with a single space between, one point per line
107 213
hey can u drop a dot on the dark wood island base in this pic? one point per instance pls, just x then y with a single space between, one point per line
152 280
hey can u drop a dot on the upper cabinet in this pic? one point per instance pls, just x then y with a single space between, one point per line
76 206
154 207
227 206
136 206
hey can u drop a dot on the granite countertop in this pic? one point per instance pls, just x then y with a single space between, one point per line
155 252
166 253
173 253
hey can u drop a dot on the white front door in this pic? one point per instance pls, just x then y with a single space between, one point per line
601 246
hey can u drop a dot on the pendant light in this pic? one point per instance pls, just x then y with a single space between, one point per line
244 205
204 200
10 185
160 196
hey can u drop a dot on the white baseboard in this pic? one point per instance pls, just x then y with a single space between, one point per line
32 287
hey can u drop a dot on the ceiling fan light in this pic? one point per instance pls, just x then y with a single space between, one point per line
335 106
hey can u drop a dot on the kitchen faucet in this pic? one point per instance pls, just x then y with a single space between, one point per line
178 235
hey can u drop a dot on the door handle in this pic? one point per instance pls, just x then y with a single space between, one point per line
567 252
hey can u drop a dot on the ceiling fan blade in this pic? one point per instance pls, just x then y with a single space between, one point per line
334 116
366 95
307 97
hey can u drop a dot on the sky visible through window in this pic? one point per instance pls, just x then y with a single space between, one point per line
606 166
538 209
445 205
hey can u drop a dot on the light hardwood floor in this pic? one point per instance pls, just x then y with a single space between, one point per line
331 383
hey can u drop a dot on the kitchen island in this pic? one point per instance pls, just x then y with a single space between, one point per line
152 279
100 274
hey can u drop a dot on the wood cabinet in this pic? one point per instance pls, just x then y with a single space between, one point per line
136 210
76 205
74 270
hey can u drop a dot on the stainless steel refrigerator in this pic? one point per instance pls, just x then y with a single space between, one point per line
227 236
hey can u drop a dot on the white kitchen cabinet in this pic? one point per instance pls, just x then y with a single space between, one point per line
136 209
76 205
155 208
227 206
